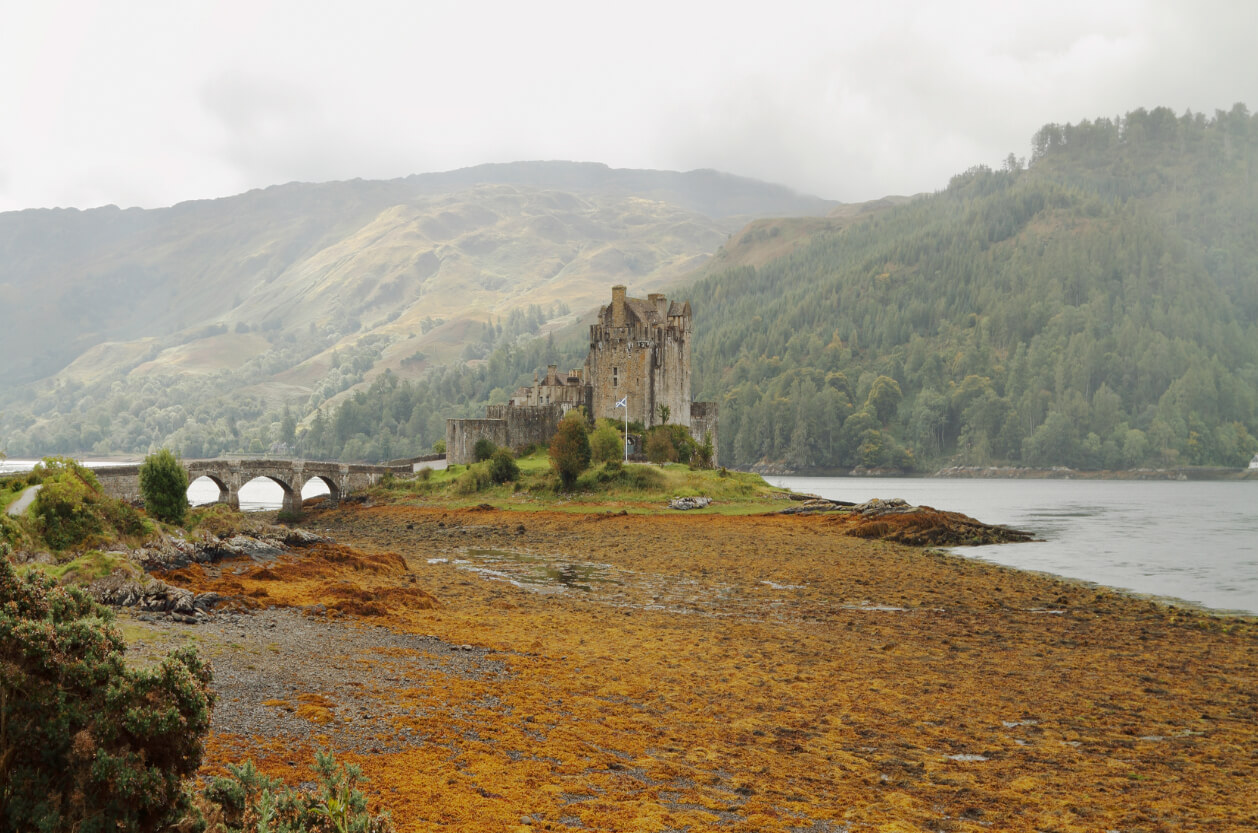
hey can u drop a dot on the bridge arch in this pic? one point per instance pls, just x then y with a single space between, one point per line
333 487
292 496
224 490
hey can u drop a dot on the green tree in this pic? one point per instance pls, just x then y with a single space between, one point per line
86 743
665 413
570 448
484 449
164 486
884 397
606 444
659 445
288 428
502 467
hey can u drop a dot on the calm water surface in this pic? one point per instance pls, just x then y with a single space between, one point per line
1196 541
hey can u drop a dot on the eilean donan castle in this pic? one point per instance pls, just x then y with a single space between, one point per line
639 352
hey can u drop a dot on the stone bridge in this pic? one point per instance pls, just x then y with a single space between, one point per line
229 475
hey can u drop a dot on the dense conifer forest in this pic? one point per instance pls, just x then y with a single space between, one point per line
1094 308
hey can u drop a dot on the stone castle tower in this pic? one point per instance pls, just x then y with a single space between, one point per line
639 351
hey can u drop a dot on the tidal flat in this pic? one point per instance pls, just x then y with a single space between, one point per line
503 670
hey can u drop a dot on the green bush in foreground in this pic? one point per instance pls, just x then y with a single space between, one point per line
250 801
164 486
87 744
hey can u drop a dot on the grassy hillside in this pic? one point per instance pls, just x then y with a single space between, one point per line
1096 308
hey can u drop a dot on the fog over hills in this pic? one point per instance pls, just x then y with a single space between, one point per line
117 287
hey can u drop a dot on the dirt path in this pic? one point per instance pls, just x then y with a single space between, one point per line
19 506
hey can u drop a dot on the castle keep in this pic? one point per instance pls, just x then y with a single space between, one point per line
639 350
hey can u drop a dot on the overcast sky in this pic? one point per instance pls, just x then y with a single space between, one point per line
150 102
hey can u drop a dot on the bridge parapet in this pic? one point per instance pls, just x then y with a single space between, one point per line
230 475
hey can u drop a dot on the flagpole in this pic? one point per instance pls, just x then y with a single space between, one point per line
624 403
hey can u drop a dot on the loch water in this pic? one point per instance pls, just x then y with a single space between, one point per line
1195 541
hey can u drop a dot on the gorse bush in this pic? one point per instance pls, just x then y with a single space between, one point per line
87 744
249 801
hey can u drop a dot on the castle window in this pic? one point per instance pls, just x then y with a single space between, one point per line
615 376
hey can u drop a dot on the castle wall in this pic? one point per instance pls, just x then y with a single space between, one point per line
526 424
462 434
672 372
621 363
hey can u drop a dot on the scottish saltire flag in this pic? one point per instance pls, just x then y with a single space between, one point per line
624 403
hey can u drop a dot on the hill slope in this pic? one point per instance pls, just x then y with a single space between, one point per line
1097 309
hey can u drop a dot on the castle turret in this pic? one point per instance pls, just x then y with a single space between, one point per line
619 293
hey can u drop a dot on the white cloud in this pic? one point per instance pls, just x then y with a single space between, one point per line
151 102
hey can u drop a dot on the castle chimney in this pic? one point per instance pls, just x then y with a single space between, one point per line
552 373
661 306
618 305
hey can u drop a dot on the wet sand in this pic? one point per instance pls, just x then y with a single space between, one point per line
754 673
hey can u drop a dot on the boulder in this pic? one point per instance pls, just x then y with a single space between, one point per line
689 502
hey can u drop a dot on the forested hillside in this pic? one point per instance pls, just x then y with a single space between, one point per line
1094 309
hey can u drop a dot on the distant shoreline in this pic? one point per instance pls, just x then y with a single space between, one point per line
1019 473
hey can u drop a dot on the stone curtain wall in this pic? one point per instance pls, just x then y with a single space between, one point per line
526 426
462 434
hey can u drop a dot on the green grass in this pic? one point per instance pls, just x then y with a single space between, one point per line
7 495
636 488
88 567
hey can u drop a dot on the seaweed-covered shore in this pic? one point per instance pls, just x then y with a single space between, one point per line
623 672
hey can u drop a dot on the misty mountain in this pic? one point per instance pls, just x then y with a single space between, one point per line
297 294
349 255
